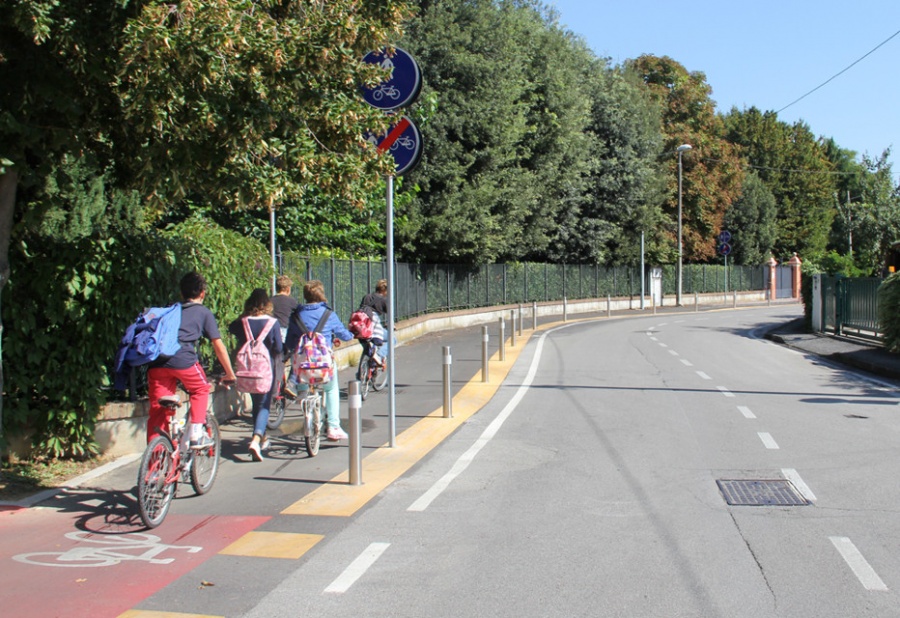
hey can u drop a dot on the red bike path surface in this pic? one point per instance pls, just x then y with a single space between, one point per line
83 552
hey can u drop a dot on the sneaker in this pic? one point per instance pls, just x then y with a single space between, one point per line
265 445
335 434
203 443
255 451
289 390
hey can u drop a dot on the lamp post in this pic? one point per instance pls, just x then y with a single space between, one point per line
680 150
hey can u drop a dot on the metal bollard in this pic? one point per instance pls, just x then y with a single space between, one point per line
355 405
521 320
653 302
512 331
484 354
534 315
608 306
696 302
734 300
565 310
448 384
502 339
768 298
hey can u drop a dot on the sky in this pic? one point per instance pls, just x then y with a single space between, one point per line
767 54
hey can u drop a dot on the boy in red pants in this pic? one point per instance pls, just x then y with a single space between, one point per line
197 321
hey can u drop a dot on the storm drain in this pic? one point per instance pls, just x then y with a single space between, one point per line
760 493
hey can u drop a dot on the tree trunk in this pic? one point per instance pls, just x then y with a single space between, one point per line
8 182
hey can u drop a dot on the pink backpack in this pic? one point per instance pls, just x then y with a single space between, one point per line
253 365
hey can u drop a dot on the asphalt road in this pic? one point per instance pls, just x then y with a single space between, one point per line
587 484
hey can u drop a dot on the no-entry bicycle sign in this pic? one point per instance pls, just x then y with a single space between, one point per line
403 141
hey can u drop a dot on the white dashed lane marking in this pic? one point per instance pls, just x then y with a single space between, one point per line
768 440
858 564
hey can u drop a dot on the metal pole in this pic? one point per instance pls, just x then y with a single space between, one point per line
680 249
448 383
272 246
565 310
696 302
734 299
608 306
653 301
392 411
355 405
534 315
485 377
643 284
521 320
512 330
502 339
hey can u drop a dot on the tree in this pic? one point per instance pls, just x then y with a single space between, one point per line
245 102
712 172
752 222
793 164
877 215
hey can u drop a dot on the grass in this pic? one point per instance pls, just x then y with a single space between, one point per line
20 479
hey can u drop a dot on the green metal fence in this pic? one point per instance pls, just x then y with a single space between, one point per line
428 288
850 306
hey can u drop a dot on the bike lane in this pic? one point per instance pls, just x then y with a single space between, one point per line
56 566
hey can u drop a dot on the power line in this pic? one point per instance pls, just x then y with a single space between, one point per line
839 73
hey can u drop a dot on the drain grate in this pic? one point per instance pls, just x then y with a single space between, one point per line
760 493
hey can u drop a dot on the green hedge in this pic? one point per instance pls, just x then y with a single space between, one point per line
889 312
68 303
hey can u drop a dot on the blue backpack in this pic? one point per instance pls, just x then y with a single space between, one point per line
153 336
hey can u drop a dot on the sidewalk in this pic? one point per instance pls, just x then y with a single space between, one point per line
851 352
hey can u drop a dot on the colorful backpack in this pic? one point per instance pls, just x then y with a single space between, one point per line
312 360
361 324
253 364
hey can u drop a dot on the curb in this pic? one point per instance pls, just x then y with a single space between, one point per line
46 494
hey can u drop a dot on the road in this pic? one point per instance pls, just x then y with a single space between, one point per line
589 485
591 489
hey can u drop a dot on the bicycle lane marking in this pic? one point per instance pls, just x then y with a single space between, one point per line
48 566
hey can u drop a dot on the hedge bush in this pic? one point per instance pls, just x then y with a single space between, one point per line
889 311
68 303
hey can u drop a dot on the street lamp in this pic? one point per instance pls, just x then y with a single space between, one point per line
680 150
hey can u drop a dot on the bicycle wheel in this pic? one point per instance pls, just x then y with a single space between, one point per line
362 374
312 409
205 462
156 481
276 414
379 377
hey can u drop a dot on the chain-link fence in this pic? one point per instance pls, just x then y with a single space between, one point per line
429 288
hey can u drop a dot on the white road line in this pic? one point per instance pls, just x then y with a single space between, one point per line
673 352
746 412
854 559
792 475
768 440
466 458
357 568
703 375
725 391
653 339
687 362
662 345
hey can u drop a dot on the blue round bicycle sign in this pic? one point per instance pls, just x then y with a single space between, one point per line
403 85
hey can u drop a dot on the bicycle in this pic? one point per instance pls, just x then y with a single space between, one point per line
281 400
168 456
311 407
370 374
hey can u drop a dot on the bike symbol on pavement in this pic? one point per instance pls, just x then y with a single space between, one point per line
111 551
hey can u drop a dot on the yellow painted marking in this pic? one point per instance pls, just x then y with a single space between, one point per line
272 545
338 498
140 613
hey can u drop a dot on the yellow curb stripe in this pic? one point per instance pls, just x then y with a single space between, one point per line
338 498
259 544
140 613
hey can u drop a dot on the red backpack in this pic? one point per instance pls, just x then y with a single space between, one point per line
361 324
253 364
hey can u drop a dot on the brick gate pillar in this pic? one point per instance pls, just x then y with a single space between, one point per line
795 263
772 263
